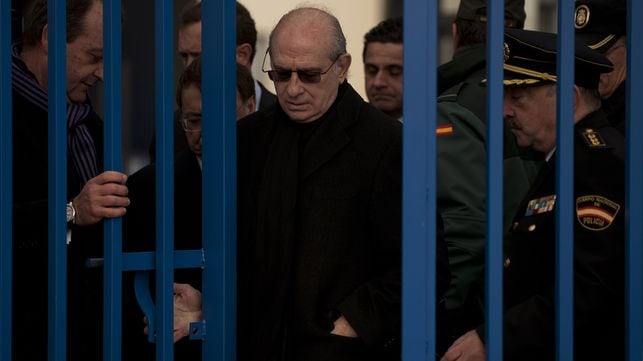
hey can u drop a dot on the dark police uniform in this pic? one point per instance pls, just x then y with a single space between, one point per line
599 24
598 248
599 171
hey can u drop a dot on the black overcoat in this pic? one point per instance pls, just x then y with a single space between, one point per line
30 244
338 248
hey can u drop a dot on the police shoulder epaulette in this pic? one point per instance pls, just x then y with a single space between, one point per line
451 94
593 139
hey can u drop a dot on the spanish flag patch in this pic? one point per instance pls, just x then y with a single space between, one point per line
443 130
596 213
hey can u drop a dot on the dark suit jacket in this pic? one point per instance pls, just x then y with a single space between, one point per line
139 234
268 99
346 255
30 243
529 319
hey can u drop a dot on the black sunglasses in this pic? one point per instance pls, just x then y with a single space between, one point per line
306 76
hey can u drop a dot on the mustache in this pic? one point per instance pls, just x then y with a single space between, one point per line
511 123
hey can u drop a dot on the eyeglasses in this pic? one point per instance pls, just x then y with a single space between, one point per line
191 122
306 76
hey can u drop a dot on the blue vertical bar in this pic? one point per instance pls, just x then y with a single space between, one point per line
634 189
219 173
565 184
419 170
164 178
495 227
112 276
6 199
57 144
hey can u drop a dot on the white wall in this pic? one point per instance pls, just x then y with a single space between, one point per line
355 16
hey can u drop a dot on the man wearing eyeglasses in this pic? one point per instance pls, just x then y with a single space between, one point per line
139 230
319 179
189 48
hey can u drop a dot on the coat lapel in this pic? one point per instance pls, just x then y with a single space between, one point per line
332 135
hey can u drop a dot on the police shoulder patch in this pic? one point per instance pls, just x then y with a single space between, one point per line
596 213
593 139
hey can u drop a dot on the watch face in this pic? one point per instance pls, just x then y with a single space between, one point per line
70 213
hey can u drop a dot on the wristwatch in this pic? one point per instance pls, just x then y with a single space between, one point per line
71 213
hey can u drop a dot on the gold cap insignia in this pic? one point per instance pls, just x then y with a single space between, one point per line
506 52
581 16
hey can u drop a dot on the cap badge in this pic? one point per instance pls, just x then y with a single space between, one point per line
506 52
581 16
596 213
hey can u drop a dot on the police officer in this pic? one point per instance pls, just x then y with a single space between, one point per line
600 24
530 112
462 166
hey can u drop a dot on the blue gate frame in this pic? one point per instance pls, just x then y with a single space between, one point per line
219 233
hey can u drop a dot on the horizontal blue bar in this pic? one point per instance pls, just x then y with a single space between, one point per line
145 261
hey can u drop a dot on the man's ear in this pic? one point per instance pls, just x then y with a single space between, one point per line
244 55
456 36
576 96
344 62
252 104
580 109
44 39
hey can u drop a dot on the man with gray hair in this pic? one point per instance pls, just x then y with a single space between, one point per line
319 208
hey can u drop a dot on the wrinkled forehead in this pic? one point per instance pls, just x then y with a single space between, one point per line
300 49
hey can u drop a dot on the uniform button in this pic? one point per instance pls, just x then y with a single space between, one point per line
507 262
515 225
532 228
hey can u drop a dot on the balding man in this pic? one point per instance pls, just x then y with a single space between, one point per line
319 208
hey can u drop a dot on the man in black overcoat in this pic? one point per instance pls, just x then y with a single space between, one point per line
319 252
91 193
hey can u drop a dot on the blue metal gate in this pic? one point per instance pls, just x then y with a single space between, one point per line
219 157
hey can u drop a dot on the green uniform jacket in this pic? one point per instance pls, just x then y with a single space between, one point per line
462 164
